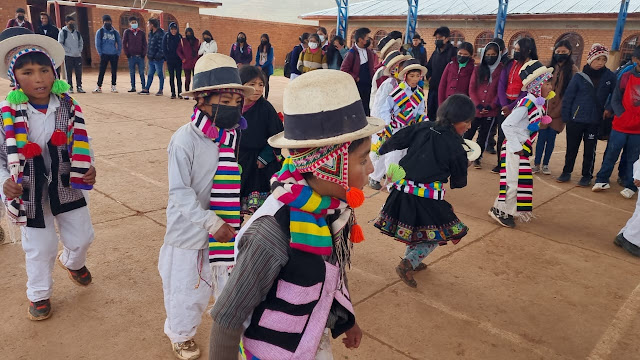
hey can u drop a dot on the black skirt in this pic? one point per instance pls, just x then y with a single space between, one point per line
413 220
255 183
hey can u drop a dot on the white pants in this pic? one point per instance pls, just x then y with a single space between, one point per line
631 231
510 205
41 247
185 274
381 164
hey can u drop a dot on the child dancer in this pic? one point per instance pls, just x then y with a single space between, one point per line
415 212
203 213
629 236
521 130
295 249
399 105
45 163
258 160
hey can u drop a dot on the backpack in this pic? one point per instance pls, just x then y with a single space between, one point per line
65 33
287 65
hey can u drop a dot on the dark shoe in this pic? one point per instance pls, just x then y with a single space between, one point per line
477 164
491 151
81 277
144 92
496 170
159 93
40 310
70 90
132 90
625 244
404 270
421 267
502 218
181 97
564 178
620 181
375 185
173 96
584 182
80 90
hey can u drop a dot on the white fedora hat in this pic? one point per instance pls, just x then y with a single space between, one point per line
391 45
412 64
473 150
392 60
216 71
323 107
16 41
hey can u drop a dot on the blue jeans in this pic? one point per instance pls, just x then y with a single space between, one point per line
618 141
155 67
139 61
545 144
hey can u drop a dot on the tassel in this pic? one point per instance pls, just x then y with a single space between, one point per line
58 138
396 173
357 235
16 97
540 101
243 125
60 87
534 127
31 150
355 197
546 120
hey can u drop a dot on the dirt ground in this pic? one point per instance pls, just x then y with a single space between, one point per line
555 288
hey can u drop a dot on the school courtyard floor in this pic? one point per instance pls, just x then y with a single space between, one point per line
555 288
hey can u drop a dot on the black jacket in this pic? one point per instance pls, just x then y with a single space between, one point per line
170 47
48 30
155 50
584 104
437 63
419 53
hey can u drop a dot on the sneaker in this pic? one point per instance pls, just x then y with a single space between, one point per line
545 170
187 350
70 90
627 193
183 97
564 178
632 249
506 221
173 96
40 310
535 169
132 90
114 89
496 170
80 90
491 151
477 164
81 277
584 182
375 185
159 93
600 187
97 90
144 92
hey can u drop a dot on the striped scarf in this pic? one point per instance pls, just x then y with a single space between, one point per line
225 191
408 104
16 126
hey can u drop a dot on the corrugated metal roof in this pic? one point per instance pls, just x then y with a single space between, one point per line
471 8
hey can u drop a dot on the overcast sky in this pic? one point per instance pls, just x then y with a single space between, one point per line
271 10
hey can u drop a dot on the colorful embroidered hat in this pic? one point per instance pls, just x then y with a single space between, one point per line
323 107
412 64
531 70
17 41
214 72
393 59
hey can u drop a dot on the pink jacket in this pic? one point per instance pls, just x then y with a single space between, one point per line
455 80
188 54
486 94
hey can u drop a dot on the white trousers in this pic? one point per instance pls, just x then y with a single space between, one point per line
631 231
186 283
381 163
510 205
41 247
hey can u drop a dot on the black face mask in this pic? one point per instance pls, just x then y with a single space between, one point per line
516 55
207 39
21 17
463 59
241 39
490 60
225 117
439 43
108 26
561 57
264 42
71 27
190 37
367 44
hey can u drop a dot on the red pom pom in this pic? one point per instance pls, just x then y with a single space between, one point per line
59 138
357 236
355 197
31 150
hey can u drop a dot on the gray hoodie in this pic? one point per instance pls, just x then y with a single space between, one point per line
73 43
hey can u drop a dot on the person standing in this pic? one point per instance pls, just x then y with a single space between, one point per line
312 58
336 52
46 28
170 44
442 55
109 47
20 20
208 44
504 58
264 59
417 50
188 53
241 51
360 64
295 55
134 44
155 55
629 236
324 38
73 44
457 74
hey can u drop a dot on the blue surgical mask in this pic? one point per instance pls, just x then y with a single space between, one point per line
134 26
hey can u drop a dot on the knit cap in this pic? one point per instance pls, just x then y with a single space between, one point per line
106 18
596 51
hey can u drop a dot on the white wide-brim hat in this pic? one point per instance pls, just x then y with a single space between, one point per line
392 45
393 59
531 70
412 64
323 107
18 40
473 150
216 71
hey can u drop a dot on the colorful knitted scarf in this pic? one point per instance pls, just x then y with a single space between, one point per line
19 148
225 191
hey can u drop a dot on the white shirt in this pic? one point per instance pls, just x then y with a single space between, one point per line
193 161
208 48
515 127
374 85
384 106
364 57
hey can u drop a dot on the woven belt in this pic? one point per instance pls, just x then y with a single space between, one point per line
434 191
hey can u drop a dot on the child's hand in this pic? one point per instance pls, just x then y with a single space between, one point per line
11 189
225 233
260 164
89 177
354 336
636 182
506 110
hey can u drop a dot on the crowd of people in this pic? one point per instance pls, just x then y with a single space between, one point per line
280 280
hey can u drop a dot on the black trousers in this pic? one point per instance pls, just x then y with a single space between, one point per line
365 95
483 126
72 64
499 119
175 72
432 104
266 86
576 133
104 61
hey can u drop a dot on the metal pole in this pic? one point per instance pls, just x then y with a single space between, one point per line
343 16
622 19
412 20
501 18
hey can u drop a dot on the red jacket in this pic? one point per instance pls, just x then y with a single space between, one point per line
455 80
485 94
187 53
351 64
14 23
134 43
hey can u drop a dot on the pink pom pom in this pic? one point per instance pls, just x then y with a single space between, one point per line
212 132
546 119
540 101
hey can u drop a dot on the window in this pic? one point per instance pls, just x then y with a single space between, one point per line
626 50
577 46
124 20
516 37
168 19
482 40
456 38
379 36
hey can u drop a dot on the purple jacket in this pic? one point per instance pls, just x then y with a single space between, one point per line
455 80
242 55
502 88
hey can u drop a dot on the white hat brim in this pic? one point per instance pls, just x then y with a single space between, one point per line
394 62
472 149
404 71
248 90
387 48
374 125
53 48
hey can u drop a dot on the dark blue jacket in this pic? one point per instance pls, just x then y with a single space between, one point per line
295 54
268 66
155 51
170 47
581 104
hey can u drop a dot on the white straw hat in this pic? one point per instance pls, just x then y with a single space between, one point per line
412 64
18 40
392 45
473 149
393 59
216 71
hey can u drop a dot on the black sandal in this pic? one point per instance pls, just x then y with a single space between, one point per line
403 269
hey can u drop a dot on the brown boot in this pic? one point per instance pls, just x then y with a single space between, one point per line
405 272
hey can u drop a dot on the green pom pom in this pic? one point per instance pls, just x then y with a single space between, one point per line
17 97
396 172
240 168
60 87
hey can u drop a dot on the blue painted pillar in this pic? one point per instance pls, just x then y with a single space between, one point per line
343 16
622 19
501 18
412 20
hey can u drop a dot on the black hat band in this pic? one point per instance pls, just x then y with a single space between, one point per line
218 76
325 124
529 70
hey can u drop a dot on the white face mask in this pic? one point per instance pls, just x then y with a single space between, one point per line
322 38
313 45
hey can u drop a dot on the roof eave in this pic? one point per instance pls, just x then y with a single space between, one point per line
594 16
203 4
